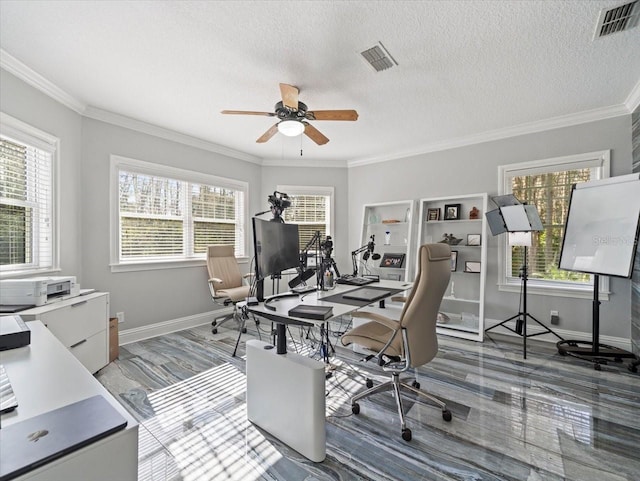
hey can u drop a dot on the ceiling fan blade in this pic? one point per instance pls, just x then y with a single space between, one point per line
333 115
314 134
247 112
268 134
289 96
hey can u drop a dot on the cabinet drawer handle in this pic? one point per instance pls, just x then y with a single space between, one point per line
78 343
78 303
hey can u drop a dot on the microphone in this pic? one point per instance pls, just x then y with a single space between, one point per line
371 245
304 276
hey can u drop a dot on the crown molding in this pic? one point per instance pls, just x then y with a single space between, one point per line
151 129
633 99
499 134
323 164
33 78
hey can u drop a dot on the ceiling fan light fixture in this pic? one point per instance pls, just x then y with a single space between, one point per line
291 128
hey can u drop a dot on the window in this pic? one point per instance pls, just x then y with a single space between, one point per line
27 223
547 184
164 214
311 208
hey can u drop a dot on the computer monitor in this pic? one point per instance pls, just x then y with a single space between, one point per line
276 245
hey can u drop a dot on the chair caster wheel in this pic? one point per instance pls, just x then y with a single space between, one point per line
446 415
214 331
244 330
406 434
214 323
416 384
597 367
355 408
369 383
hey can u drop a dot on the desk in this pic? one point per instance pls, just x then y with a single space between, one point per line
45 376
286 391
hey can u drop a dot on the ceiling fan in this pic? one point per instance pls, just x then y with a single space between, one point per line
293 116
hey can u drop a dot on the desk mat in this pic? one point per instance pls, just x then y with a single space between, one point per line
339 298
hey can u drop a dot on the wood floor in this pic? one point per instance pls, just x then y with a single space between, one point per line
544 418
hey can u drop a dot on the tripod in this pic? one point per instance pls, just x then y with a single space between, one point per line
521 317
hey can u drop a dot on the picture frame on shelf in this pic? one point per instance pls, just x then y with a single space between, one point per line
454 261
474 239
452 211
433 214
392 260
472 267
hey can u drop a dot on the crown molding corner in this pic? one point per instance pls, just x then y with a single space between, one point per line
151 129
633 99
14 66
323 164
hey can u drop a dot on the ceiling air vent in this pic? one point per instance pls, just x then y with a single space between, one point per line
379 58
617 19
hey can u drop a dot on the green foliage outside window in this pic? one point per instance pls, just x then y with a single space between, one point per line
550 193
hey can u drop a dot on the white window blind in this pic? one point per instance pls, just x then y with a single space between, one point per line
311 209
547 184
26 202
172 214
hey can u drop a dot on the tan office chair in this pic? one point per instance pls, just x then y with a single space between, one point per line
226 283
410 341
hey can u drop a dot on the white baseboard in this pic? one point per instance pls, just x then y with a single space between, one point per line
534 328
159 328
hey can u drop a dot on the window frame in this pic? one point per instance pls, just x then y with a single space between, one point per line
600 161
118 163
327 191
21 132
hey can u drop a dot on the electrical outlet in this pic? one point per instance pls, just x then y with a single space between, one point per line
120 316
555 317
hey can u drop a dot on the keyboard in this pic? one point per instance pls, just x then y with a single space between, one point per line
355 280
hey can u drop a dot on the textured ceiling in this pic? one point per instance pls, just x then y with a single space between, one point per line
465 67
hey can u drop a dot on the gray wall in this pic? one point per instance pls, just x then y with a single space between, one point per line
146 297
39 110
473 169
154 296
635 286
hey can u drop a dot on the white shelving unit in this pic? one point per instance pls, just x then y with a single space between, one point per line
463 302
391 223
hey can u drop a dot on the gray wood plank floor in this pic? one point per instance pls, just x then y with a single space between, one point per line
544 418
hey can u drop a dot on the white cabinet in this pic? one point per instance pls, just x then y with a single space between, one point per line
391 225
81 324
448 219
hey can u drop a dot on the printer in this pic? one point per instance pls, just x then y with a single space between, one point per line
37 291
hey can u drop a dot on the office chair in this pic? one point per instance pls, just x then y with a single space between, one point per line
410 341
226 283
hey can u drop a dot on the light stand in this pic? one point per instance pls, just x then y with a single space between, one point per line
519 220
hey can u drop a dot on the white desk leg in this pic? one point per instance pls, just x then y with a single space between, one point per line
285 397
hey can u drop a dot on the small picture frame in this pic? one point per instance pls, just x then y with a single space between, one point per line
452 211
433 214
474 239
392 260
472 266
454 261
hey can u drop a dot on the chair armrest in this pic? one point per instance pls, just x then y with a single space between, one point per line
379 318
399 298
215 280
